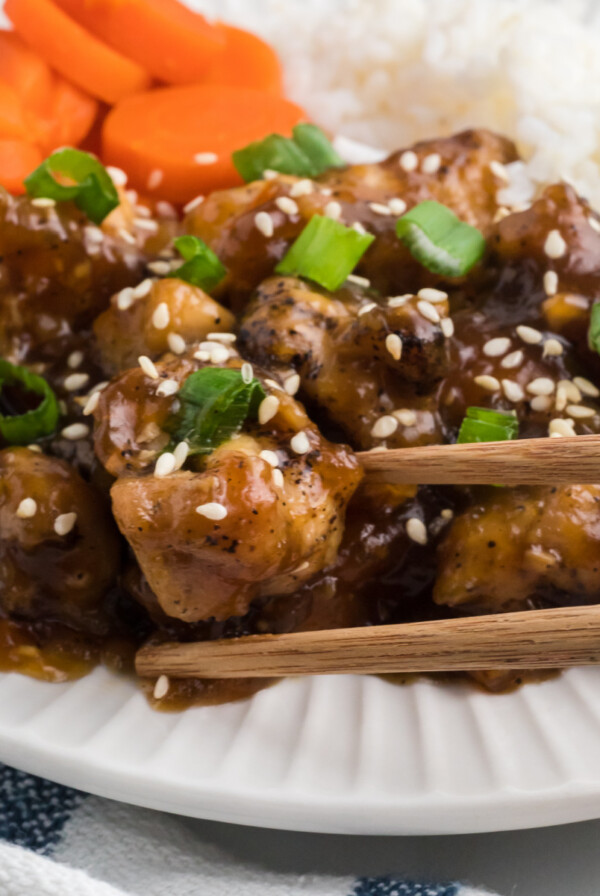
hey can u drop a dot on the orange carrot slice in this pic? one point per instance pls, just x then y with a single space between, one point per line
77 55
169 40
17 159
176 142
12 117
246 61
23 70
66 118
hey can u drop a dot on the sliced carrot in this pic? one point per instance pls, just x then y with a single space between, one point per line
13 124
176 142
77 55
17 159
169 40
246 61
66 118
23 70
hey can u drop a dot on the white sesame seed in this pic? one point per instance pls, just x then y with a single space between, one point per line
161 316
161 688
385 426
193 203
155 179
180 453
74 360
148 366
302 188
499 171
416 531
98 387
247 372
397 206
333 210
541 403
270 457
562 427
202 355
299 443
529 335
277 478
206 158
167 388
408 160
446 513
586 387
126 236
76 381
267 409
64 523
43 202
292 384
550 283
358 280
428 311
274 385
360 228
501 213
131 196
594 224
571 390
405 416
143 224
512 390
555 246
512 360
432 295
91 404
490 383
222 337
212 510
580 411
399 301
364 309
165 209
75 431
219 354
555 435
325 191
541 385
379 208
117 175
27 508
159 267
393 344
143 288
264 222
270 174
431 163
286 205
125 298
165 464
176 343
447 325
552 348
493 348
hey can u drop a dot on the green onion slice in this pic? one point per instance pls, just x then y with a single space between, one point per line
28 406
71 174
439 240
201 267
307 154
594 328
215 403
326 252
485 425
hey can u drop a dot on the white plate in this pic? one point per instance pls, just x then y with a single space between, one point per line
344 754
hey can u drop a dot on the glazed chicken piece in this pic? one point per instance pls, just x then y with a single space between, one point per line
358 359
59 548
274 528
521 548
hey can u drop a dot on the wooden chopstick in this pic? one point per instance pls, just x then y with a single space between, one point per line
521 462
535 639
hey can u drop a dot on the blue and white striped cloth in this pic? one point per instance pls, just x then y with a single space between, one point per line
55 841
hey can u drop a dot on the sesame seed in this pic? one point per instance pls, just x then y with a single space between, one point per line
292 384
302 188
561 427
359 227
143 224
446 513
264 222
594 224
159 267
99 387
501 213
333 210
176 343
148 366
277 478
416 531
447 325
529 335
397 206
586 387
155 179
202 355
64 523
206 158
555 246
541 385
35 448
161 316
493 348
499 171
571 390
428 311
408 160
299 443
91 404
247 373
131 196
379 208
541 403
75 431
117 175
405 416
222 337
270 457
165 464
27 508
74 359
432 295
219 354
550 283
143 288
487 382
267 409
161 688
393 344
126 236
274 385
270 174
167 387
431 163
286 205
364 309
125 298
580 411
165 209
358 280
512 360
76 381
180 453
193 203
325 191
399 301
43 202
552 348
385 426
512 390
212 510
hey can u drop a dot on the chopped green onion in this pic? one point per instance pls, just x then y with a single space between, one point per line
71 174
484 425
307 154
215 402
439 240
594 328
28 406
201 267
326 252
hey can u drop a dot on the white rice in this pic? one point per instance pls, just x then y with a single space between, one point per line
389 72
